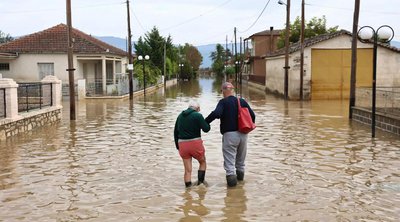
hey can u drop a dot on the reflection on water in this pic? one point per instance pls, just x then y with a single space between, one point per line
193 207
118 162
235 204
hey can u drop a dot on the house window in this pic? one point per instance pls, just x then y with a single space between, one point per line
45 69
4 66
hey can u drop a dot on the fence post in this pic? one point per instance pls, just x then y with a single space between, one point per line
81 89
56 90
11 97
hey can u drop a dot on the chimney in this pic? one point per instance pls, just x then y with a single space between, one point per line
271 39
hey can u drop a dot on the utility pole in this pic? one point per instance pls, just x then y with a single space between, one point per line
236 69
353 74
226 56
287 67
130 52
241 63
165 68
70 64
302 49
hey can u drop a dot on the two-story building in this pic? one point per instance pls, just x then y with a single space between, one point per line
257 46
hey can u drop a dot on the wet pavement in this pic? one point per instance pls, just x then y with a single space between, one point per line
118 162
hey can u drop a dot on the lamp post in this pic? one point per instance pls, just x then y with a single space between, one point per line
287 34
238 76
367 34
180 66
225 66
141 58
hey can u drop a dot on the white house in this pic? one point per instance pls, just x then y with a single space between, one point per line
32 57
327 65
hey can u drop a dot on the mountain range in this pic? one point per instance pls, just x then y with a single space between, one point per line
205 50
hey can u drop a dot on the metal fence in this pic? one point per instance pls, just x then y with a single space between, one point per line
3 103
387 99
34 96
119 87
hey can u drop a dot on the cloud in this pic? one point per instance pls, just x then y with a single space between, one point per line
195 21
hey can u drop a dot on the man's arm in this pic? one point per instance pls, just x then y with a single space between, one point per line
203 124
217 113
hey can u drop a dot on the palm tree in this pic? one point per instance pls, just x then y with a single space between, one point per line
218 57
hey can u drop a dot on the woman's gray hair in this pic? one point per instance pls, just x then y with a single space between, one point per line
194 104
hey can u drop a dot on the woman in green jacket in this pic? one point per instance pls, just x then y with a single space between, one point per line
187 135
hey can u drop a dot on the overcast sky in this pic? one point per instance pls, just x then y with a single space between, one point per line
197 22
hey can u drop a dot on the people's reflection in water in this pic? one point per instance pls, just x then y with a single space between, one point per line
193 208
235 204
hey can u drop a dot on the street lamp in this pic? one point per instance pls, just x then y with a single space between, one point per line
146 57
180 66
237 65
225 66
287 67
367 34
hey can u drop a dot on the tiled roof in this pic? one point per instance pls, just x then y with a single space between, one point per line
266 33
317 39
54 40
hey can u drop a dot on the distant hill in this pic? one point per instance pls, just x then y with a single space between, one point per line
395 44
115 41
205 50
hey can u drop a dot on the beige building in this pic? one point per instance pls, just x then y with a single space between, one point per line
327 65
34 56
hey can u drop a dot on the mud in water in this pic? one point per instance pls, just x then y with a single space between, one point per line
118 162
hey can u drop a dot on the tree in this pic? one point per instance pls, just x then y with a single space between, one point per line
152 71
187 71
193 58
218 58
5 37
152 44
316 26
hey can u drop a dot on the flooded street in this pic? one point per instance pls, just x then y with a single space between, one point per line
118 162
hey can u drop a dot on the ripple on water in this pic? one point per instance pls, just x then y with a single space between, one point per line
118 163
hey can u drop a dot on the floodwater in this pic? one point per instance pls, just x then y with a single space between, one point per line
118 162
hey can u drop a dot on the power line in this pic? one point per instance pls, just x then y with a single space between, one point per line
196 17
137 19
215 35
351 9
251 26
59 9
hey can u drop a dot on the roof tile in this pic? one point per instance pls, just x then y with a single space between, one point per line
54 40
320 38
